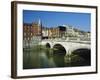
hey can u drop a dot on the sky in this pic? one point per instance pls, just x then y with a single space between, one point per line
81 21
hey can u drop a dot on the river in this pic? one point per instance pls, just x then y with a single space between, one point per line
34 58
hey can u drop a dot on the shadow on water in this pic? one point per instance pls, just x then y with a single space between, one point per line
58 55
83 57
48 45
79 57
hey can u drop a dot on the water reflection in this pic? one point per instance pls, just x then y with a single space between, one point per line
45 57
59 60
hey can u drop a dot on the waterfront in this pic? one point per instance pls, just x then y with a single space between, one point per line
51 41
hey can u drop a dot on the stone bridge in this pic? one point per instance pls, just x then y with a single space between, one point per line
69 46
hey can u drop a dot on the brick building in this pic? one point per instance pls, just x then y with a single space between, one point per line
31 33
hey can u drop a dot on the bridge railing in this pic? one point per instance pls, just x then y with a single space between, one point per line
70 39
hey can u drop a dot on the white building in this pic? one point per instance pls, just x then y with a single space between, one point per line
45 33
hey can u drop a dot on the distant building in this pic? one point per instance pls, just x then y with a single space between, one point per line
69 32
62 30
45 33
50 33
54 33
85 36
31 33
35 32
74 33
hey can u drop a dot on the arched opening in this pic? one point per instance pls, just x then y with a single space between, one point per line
59 49
58 55
82 57
48 50
48 45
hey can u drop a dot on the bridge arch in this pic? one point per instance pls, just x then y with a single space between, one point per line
59 49
48 45
84 56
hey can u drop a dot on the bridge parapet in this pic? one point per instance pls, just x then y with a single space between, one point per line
62 40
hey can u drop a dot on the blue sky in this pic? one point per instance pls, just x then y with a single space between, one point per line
54 19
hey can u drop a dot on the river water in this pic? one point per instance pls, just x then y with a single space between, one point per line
45 58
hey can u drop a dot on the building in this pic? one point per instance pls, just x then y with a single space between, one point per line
45 33
62 30
85 36
50 33
53 33
31 34
35 32
71 33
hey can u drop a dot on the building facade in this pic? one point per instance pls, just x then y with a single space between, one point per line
31 34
